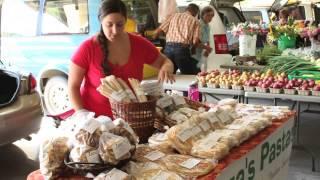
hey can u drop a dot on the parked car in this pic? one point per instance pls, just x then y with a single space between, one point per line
43 35
20 106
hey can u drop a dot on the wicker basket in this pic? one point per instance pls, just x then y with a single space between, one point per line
140 116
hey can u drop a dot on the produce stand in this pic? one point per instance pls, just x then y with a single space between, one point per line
183 83
242 67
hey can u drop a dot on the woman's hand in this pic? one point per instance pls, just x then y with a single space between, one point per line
166 73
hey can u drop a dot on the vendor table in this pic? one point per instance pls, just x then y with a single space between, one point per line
263 157
242 67
183 83
297 99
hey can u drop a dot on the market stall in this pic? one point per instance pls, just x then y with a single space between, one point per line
223 140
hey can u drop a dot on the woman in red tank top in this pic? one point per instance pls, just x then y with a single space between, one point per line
111 51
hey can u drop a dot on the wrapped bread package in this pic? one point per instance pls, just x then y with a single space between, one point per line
210 147
113 148
113 174
150 171
123 129
88 133
160 141
213 119
187 166
145 153
183 136
84 154
52 153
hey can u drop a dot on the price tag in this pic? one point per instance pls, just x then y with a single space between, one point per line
116 174
154 155
205 126
185 134
224 117
121 148
93 156
190 163
213 118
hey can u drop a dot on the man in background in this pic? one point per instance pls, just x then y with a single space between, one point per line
182 31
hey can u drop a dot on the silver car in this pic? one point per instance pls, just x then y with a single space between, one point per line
20 106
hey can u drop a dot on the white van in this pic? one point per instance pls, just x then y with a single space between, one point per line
218 32
42 36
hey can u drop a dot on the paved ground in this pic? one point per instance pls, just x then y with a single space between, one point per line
21 158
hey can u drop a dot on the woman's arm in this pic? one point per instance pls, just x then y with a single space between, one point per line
165 67
76 74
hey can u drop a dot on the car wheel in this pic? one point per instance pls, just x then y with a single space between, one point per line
56 99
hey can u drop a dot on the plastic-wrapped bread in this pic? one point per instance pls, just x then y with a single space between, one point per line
127 89
188 111
88 133
135 84
113 148
145 153
203 123
178 117
159 141
112 89
124 129
210 147
183 136
213 119
52 154
187 166
113 174
84 154
150 171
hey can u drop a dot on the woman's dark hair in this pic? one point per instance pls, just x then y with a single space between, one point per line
107 7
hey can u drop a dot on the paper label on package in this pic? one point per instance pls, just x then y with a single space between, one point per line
116 174
196 130
185 134
190 163
91 125
179 100
154 155
121 148
210 140
213 118
205 126
165 101
224 117
161 175
93 156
